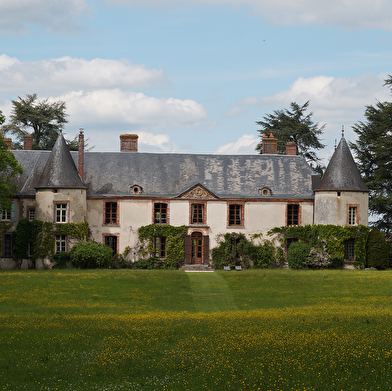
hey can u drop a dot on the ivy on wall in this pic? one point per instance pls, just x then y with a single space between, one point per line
175 250
42 236
333 236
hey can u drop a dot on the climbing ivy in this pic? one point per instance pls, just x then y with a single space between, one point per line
175 251
42 236
333 236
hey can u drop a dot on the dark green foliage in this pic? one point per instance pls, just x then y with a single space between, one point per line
236 250
41 118
42 237
91 255
374 160
9 168
154 263
61 259
333 237
377 250
297 255
175 236
20 239
294 125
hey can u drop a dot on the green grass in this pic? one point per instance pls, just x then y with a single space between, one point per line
170 330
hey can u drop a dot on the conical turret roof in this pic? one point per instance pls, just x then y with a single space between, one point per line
60 170
342 173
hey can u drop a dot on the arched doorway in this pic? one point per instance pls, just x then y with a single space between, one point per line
197 248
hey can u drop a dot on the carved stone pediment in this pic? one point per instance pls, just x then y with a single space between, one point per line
198 192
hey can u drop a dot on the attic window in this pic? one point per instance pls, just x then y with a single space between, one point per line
136 189
265 191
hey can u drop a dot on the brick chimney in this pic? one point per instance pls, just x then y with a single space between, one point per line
81 154
28 142
270 144
291 148
128 142
8 141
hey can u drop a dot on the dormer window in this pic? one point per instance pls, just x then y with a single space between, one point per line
265 191
136 189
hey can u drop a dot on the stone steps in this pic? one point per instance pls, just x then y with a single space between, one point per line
197 268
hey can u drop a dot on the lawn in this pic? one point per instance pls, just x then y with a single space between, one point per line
171 330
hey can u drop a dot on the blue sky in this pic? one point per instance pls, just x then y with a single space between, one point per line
194 76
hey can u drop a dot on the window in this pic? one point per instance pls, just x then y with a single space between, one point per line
31 214
352 215
111 213
60 243
235 214
292 214
61 213
5 215
349 254
160 213
160 247
7 246
197 214
111 241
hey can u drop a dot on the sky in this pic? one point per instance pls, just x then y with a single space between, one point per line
194 76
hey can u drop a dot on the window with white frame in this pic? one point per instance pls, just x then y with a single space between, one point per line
352 215
5 215
31 214
60 243
61 213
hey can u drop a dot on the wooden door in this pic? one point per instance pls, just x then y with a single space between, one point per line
197 248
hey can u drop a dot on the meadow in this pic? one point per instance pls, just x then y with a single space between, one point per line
171 330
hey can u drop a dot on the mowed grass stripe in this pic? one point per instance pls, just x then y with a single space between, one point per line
211 293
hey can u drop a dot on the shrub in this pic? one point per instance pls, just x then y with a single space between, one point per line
263 255
377 250
297 255
90 255
61 259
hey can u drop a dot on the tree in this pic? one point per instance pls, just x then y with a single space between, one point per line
294 125
377 250
42 118
374 160
9 168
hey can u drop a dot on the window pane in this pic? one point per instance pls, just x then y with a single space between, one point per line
235 214
292 214
160 213
7 245
111 241
60 243
61 213
197 213
352 214
111 213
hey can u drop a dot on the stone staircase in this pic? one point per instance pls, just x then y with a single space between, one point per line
197 268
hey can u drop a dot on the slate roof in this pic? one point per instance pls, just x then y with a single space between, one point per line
342 173
170 175
60 170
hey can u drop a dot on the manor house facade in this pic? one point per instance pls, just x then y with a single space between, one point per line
118 192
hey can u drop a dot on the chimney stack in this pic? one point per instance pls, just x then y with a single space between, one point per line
81 154
8 141
270 144
128 142
291 148
28 142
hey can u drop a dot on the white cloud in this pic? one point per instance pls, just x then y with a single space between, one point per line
244 145
348 14
242 106
67 73
56 16
116 106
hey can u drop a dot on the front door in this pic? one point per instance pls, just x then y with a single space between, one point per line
197 247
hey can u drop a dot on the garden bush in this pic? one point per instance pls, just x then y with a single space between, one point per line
377 250
90 255
297 255
61 259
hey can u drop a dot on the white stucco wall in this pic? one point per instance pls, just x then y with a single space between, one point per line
331 208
